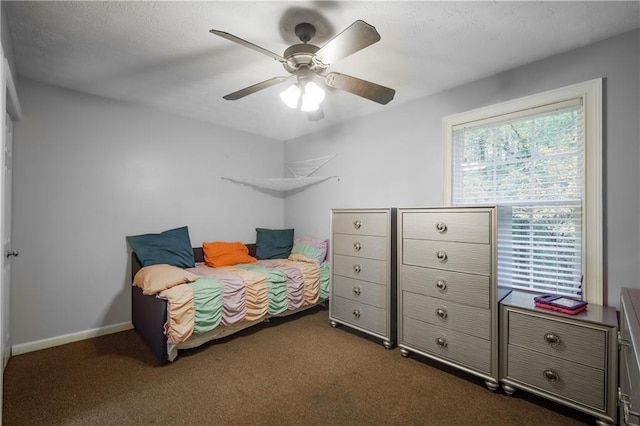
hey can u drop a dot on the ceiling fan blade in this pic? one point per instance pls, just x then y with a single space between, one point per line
256 87
366 89
248 44
355 37
316 115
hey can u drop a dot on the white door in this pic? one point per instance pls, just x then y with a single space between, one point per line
7 253
8 104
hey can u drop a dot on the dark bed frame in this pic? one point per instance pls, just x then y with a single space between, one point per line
149 314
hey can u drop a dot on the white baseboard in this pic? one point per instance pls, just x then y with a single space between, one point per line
24 348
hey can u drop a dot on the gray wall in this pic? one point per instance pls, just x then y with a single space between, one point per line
394 158
90 171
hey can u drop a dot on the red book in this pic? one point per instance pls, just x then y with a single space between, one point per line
563 310
558 303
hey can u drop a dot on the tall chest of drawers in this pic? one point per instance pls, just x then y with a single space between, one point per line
363 265
630 357
570 359
448 288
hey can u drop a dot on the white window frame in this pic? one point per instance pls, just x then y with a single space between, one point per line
591 94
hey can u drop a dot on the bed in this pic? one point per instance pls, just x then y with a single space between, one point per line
214 302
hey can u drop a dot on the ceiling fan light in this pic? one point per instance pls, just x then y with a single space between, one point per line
308 105
313 93
291 96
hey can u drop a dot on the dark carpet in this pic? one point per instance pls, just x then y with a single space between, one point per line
292 371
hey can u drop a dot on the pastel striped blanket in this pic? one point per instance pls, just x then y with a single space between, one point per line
245 292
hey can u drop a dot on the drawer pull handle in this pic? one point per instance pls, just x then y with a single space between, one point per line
625 412
356 313
551 375
626 405
441 255
357 224
357 291
357 246
441 342
623 397
552 338
357 269
441 313
441 284
441 227
622 341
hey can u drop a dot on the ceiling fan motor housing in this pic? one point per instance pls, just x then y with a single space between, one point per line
305 31
303 54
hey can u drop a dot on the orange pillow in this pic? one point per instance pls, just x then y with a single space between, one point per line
221 253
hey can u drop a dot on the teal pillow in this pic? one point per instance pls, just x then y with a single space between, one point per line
172 247
273 243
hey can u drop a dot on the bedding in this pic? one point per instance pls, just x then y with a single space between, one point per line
172 247
155 278
222 253
273 243
204 302
309 250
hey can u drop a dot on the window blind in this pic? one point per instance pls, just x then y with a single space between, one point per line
532 160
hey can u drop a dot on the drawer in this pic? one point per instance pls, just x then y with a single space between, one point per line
467 319
470 227
360 246
630 378
629 367
630 355
575 382
460 257
366 223
460 348
576 343
632 418
473 290
361 269
359 314
360 291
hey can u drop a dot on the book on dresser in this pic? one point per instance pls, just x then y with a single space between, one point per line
363 277
448 285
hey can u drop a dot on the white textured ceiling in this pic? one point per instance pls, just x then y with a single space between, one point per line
161 54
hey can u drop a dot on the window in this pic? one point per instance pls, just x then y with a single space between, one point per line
542 156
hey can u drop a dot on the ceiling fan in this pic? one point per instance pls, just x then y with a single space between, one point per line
308 64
